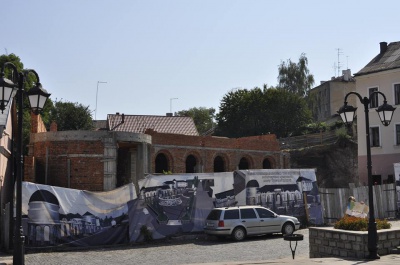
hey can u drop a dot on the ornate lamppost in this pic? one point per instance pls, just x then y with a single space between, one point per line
385 113
37 98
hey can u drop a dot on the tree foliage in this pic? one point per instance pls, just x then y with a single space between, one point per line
203 117
71 116
295 77
30 80
258 111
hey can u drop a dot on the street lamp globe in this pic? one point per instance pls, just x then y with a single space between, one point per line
37 96
347 113
7 91
385 112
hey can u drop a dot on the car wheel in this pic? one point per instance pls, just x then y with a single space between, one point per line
287 229
239 233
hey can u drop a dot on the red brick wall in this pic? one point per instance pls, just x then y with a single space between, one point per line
262 142
37 125
86 165
178 147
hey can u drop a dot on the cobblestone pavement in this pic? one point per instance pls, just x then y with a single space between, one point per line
178 251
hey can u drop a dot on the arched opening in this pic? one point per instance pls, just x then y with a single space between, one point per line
161 163
243 164
219 165
191 164
267 164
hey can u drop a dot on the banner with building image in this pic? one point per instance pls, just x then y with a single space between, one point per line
55 216
397 179
172 204
166 205
285 191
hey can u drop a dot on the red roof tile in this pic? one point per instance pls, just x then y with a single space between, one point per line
160 124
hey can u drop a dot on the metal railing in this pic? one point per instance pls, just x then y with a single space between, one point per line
308 140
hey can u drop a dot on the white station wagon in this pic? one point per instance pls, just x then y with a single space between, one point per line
241 221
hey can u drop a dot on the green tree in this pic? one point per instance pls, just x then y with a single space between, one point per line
295 78
258 111
288 113
71 116
241 113
203 117
29 83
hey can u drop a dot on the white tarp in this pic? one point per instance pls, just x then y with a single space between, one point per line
56 216
397 179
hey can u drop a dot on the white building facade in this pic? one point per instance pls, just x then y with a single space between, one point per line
381 74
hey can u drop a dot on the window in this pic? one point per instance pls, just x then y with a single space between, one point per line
374 136
264 213
214 215
397 134
374 99
397 94
231 214
248 214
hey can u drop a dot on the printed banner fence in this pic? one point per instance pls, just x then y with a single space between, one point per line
165 206
54 216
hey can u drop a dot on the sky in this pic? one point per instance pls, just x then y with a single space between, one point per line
159 56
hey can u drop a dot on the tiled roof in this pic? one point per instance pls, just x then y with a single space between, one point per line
160 124
388 60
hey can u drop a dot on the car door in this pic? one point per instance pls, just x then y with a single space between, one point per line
268 221
249 219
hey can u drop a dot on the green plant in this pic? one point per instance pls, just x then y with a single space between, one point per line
342 134
359 224
146 233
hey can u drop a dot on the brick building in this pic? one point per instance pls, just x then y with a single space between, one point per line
127 147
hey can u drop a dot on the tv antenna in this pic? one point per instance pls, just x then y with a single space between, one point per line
339 52
97 92
170 104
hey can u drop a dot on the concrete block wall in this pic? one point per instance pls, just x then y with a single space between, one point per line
330 242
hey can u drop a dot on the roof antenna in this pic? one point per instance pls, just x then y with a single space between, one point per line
339 52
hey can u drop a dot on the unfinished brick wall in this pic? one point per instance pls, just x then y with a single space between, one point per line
205 148
37 125
77 159
74 164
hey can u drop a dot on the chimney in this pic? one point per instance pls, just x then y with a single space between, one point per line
383 47
169 114
346 74
53 126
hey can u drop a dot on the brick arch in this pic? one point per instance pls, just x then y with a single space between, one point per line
271 161
199 161
170 160
249 160
225 160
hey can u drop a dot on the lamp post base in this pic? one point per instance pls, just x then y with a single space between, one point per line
372 239
373 255
18 252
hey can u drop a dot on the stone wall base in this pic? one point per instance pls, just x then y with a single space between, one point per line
330 242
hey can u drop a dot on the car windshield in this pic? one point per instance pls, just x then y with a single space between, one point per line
214 215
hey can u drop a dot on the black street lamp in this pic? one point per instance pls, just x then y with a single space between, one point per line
385 112
37 98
